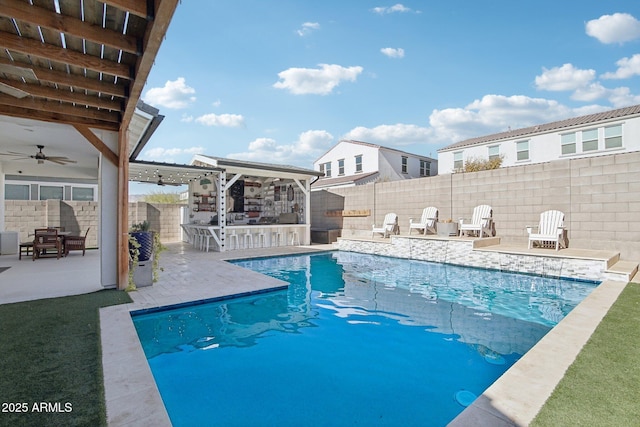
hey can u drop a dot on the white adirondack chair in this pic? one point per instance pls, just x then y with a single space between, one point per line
427 221
481 221
389 225
550 229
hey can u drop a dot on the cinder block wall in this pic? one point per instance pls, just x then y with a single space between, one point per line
163 218
600 197
24 216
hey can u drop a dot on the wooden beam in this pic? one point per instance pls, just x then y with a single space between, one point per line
154 35
97 142
123 207
137 7
54 117
62 55
65 95
57 107
68 25
118 89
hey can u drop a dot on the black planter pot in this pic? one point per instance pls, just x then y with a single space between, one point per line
145 240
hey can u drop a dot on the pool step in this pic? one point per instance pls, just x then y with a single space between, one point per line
627 269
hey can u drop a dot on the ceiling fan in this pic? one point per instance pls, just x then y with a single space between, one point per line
41 157
161 182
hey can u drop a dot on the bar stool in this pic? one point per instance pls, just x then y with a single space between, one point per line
262 238
295 238
233 238
276 237
206 238
247 241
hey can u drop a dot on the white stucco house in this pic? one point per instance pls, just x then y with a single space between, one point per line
350 163
614 131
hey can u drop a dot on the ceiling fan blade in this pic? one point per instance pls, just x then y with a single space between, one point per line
60 159
16 158
60 162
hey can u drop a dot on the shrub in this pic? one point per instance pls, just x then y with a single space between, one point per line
475 164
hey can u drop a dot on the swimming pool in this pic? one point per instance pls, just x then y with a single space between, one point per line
355 339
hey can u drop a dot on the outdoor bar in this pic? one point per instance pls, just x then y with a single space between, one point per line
246 205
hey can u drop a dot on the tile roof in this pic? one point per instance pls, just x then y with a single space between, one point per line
369 144
341 180
547 127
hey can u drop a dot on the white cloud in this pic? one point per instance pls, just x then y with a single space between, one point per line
390 135
616 28
622 97
309 146
590 93
322 81
307 28
174 94
170 154
225 120
627 67
562 78
393 52
491 114
396 8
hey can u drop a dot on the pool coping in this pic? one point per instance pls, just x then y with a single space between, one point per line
132 397
517 396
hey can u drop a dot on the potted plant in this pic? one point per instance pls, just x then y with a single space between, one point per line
143 243
144 237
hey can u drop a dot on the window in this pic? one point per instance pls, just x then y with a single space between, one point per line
359 163
522 150
49 192
457 160
405 159
82 193
494 152
613 136
327 169
568 143
321 166
16 192
590 140
341 167
425 168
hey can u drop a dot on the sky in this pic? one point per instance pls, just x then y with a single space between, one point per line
283 81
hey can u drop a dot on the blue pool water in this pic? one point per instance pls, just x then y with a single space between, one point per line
354 340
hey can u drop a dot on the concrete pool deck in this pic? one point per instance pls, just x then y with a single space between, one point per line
132 398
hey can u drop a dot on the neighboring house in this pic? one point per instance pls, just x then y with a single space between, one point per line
351 163
613 131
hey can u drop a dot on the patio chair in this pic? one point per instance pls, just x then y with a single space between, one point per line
75 243
389 225
427 221
481 222
550 229
46 239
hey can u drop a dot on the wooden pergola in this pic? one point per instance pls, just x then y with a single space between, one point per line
82 63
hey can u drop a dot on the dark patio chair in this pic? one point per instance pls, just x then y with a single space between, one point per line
75 243
46 239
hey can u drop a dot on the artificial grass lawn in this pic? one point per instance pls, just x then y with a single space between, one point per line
50 352
602 386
